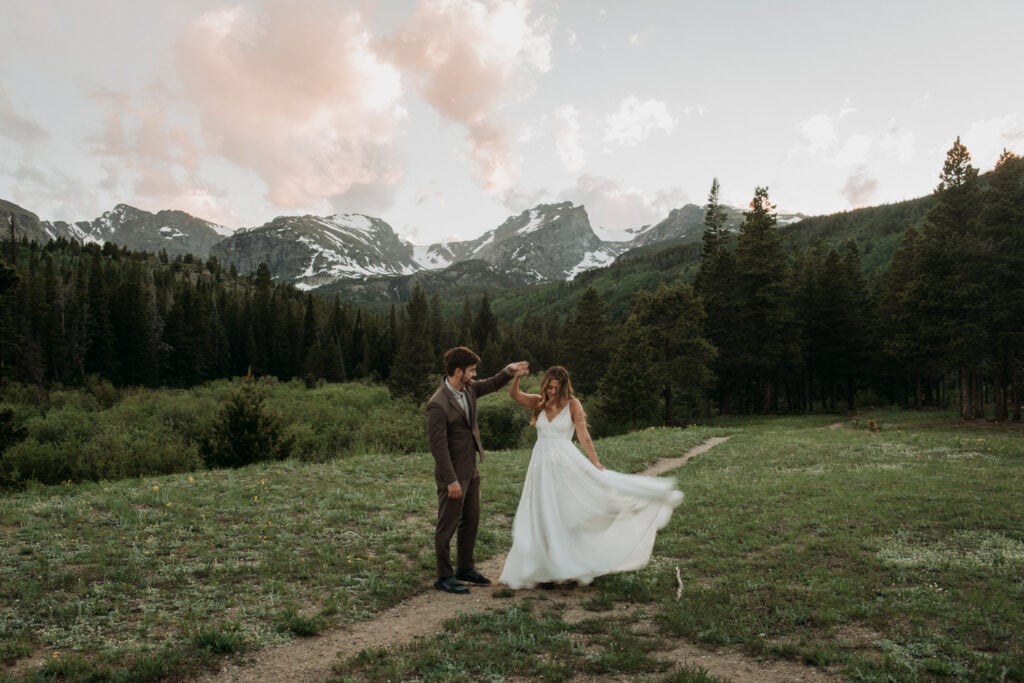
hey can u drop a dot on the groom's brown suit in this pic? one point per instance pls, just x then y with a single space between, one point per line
454 442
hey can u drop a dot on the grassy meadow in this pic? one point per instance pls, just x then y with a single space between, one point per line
880 555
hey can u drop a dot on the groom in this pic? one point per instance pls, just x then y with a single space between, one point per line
454 442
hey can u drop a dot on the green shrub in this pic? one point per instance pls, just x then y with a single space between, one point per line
243 432
10 431
113 450
394 426
501 424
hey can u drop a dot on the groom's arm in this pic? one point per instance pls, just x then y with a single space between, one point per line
437 434
492 384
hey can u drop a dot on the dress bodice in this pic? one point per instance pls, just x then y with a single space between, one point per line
558 428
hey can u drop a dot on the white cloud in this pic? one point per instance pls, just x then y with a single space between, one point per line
855 150
987 139
899 142
845 110
567 138
473 57
613 208
635 121
819 133
15 126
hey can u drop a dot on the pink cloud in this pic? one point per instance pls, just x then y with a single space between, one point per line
471 57
859 188
295 93
155 160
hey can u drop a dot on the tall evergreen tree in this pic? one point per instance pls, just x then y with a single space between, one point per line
673 322
100 352
714 237
765 320
465 331
717 285
413 370
586 342
951 279
1002 222
628 396
485 325
336 341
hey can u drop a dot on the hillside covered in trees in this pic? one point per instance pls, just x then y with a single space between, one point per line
916 303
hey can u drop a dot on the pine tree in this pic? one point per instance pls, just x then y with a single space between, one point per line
485 325
952 278
413 369
587 343
437 328
358 357
1002 227
718 287
464 337
834 307
217 344
336 342
672 320
244 432
765 319
100 350
311 353
715 235
628 391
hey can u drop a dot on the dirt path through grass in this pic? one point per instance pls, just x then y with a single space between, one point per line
311 659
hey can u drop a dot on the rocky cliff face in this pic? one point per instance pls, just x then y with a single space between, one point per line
545 243
310 251
685 223
21 223
548 242
175 232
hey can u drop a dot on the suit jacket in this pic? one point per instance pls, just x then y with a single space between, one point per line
454 435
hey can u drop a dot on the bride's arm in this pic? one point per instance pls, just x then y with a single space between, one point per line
579 420
528 400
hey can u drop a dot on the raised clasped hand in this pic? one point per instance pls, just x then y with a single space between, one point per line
520 369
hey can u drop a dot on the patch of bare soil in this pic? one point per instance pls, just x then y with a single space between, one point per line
311 659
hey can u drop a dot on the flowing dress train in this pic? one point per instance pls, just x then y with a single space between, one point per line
576 522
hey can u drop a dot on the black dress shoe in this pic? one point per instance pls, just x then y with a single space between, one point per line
472 576
450 585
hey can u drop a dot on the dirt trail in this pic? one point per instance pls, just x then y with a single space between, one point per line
311 659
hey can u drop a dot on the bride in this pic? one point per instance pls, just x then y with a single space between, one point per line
576 520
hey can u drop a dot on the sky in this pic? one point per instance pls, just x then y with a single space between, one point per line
445 117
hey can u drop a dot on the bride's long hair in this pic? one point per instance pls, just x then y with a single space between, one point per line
564 395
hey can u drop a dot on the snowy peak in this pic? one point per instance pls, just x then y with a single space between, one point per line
310 251
175 232
547 242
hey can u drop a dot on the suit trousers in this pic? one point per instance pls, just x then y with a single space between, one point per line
460 519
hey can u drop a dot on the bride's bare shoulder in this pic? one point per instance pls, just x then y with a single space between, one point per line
576 409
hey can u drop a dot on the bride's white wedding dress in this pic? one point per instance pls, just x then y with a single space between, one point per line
576 522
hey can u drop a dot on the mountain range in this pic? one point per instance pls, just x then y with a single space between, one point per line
549 242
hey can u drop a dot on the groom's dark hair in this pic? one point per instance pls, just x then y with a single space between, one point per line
459 357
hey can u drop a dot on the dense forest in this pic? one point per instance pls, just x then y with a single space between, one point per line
762 323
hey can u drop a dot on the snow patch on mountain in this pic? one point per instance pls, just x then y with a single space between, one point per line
592 259
537 221
432 256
